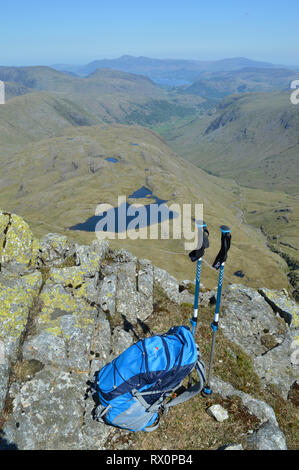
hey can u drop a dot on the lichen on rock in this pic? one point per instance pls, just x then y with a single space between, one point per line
18 248
66 310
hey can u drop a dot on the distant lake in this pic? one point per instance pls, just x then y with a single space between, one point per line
170 82
122 222
239 274
111 159
144 192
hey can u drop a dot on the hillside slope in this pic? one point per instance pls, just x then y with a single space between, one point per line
221 84
57 183
38 115
251 137
112 96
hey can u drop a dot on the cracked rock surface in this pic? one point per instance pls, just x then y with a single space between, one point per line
67 310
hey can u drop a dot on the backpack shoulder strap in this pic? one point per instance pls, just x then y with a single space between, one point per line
154 427
192 391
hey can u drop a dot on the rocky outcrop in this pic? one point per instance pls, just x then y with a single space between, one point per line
281 303
255 324
18 247
268 437
66 310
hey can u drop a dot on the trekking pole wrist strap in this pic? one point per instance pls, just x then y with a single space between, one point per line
225 246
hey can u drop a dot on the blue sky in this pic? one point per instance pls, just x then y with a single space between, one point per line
71 31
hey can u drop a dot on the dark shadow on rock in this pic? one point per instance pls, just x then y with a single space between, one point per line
4 444
129 327
144 327
98 407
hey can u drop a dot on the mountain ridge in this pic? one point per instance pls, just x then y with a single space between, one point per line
157 68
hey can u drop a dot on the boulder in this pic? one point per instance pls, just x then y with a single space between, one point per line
168 284
277 367
127 288
18 248
186 298
54 249
218 412
258 408
49 413
249 321
246 318
268 437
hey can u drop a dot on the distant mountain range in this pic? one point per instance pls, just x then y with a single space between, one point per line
159 70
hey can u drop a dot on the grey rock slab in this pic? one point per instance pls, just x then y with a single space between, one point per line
145 278
281 303
88 259
101 344
246 317
54 249
258 408
48 412
277 367
186 297
17 295
120 341
107 294
63 329
168 284
268 437
101 247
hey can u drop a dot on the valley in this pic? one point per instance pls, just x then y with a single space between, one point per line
70 143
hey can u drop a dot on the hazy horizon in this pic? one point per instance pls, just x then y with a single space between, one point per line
47 33
115 57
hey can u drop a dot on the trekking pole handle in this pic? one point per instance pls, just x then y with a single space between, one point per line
218 263
225 246
203 241
196 255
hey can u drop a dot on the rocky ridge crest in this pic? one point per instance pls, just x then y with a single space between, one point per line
66 310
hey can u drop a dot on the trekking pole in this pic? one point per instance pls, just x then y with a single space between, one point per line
197 255
218 263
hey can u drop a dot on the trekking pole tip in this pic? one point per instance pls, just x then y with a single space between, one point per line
206 392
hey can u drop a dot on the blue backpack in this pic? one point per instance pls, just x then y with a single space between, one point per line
133 387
